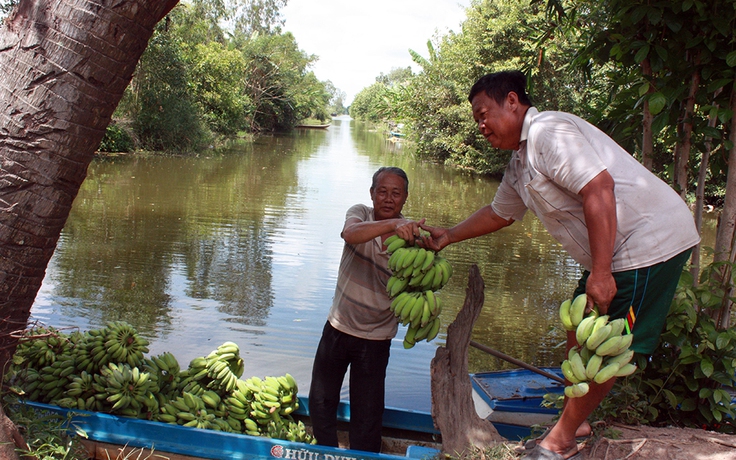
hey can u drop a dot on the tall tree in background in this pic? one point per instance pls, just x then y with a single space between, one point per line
65 65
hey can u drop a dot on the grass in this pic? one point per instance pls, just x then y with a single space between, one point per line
49 436
53 437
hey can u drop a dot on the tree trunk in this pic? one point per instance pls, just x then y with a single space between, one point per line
453 409
647 141
727 220
725 236
65 65
682 149
700 189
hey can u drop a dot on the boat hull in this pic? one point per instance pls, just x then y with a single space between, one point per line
513 399
197 443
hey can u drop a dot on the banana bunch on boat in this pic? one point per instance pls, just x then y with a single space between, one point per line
118 342
129 391
602 352
272 400
205 412
165 371
416 273
68 370
220 370
39 353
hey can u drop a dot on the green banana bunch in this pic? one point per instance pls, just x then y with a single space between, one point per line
416 274
602 353
78 371
270 398
53 379
573 311
218 371
124 344
39 347
289 430
165 372
420 311
190 410
129 390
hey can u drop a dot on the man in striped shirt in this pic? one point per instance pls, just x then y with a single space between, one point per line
360 325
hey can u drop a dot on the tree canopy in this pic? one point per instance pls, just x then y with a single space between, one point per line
217 68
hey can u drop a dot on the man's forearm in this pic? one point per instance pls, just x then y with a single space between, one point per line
480 223
360 232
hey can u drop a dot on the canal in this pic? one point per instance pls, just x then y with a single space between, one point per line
243 244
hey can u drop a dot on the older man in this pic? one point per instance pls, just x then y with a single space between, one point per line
360 325
629 230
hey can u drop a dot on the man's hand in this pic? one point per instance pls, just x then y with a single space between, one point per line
409 230
600 289
438 238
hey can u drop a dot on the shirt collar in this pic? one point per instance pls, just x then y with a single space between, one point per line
530 114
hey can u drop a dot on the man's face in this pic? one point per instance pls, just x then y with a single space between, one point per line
388 196
497 123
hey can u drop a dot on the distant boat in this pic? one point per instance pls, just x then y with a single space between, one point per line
325 126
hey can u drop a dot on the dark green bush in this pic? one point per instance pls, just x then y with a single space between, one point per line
688 380
116 139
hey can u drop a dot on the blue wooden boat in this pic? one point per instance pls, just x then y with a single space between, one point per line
209 444
512 399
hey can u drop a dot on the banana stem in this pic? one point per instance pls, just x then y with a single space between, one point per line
515 361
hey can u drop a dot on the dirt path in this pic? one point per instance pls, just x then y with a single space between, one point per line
647 443
625 443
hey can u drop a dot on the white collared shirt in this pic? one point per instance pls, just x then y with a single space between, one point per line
559 154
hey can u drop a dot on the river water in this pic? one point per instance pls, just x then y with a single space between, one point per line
243 245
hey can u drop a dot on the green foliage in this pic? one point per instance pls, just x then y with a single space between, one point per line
657 53
279 85
198 83
336 103
49 436
165 116
116 139
685 381
370 103
215 82
433 104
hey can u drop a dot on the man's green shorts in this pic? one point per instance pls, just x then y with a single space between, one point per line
644 297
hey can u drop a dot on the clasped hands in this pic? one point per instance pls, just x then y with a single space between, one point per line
428 237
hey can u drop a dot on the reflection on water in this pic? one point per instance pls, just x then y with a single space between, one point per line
243 244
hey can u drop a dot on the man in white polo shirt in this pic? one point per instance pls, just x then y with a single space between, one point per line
628 229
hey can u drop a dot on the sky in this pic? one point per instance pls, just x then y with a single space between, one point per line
358 40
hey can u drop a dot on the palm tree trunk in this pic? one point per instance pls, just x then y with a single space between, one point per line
65 65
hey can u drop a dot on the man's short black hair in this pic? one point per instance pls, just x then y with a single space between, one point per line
499 84
393 170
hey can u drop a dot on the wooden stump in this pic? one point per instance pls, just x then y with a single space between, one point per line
453 409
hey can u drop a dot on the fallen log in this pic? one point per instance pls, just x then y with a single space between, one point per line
453 409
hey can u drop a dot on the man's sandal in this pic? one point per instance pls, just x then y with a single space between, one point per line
540 453
532 443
